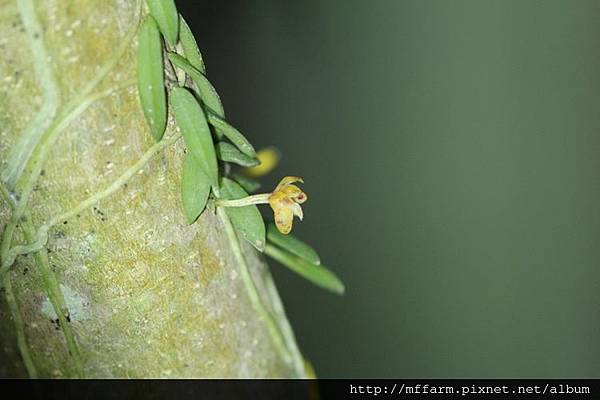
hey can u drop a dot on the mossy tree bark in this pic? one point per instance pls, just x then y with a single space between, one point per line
124 288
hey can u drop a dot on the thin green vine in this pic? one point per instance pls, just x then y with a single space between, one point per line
251 288
56 298
16 312
284 326
19 328
21 152
39 239
34 152
26 183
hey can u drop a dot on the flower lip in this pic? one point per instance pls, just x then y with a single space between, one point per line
301 198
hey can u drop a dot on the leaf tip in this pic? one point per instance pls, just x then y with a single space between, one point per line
339 288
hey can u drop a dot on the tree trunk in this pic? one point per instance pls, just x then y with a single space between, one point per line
123 288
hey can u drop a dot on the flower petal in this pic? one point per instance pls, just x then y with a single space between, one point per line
284 218
297 210
290 191
276 198
287 180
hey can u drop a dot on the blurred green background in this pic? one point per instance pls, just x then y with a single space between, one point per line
451 152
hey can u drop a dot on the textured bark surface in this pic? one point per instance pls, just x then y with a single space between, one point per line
148 295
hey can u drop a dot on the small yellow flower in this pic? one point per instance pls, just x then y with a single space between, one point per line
285 202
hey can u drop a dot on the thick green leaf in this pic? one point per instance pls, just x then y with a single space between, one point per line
190 47
151 84
246 220
250 185
166 15
292 244
229 153
206 91
317 274
191 120
232 134
195 188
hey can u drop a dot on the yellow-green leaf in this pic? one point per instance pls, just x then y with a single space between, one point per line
317 274
195 130
190 47
292 244
195 188
150 72
166 15
206 91
227 130
229 153
247 220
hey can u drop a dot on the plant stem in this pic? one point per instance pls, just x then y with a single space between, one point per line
286 329
251 288
40 238
19 328
72 109
54 294
44 73
15 312
56 298
246 201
